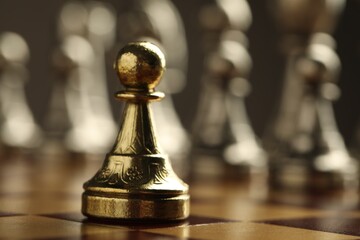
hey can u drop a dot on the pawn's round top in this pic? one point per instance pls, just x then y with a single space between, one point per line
140 66
13 48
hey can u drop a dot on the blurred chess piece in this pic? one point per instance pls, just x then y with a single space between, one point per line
86 31
299 19
18 127
223 136
305 147
158 21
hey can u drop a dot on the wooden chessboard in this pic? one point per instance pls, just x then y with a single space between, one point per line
40 199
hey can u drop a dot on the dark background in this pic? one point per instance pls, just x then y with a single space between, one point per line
35 20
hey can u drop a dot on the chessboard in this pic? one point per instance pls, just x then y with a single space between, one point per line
40 198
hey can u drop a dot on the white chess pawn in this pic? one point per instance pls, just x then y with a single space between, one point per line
18 127
245 151
211 115
222 132
305 147
89 132
225 129
86 31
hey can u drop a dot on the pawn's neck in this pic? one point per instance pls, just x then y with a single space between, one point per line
136 135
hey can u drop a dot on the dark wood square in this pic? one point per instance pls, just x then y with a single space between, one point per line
133 235
341 225
8 214
191 221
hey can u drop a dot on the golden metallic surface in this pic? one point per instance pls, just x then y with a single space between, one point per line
136 181
140 96
140 65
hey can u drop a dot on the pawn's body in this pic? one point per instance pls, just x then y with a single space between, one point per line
143 21
136 180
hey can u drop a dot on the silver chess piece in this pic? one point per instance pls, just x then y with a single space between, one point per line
299 19
86 31
305 147
159 21
18 126
223 135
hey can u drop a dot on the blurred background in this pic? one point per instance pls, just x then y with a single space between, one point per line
36 21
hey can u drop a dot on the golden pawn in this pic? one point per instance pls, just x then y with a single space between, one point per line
136 181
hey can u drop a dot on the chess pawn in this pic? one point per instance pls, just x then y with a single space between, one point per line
136 181
299 21
244 153
89 133
220 112
211 114
86 31
306 148
71 22
224 129
101 33
18 127
143 22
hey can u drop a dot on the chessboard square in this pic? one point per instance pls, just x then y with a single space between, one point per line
215 190
37 227
191 221
321 200
334 224
245 210
124 235
136 224
69 216
248 231
7 214
39 203
200 220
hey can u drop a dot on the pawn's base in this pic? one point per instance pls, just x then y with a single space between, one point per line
297 175
139 187
135 207
209 164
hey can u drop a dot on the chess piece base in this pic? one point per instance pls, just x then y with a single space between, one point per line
297 175
143 207
141 187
